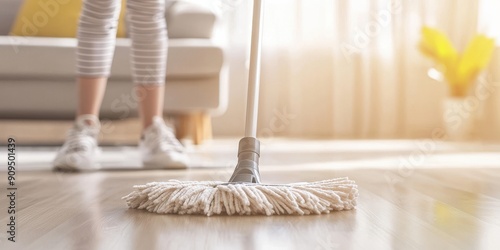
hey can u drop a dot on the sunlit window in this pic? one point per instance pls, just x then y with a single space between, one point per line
489 19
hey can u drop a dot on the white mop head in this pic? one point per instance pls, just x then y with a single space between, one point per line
210 197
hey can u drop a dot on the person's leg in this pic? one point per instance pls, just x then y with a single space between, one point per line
96 42
90 94
159 147
150 102
149 54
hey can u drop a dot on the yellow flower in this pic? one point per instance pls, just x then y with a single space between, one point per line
459 70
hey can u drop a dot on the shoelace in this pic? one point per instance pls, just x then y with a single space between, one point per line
80 139
164 138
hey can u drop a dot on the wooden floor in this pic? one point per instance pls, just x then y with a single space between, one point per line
399 207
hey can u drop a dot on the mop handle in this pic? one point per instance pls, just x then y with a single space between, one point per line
254 72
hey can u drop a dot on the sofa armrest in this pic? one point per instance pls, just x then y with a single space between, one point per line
189 20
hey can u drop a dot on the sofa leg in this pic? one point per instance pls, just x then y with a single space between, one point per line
197 125
183 126
202 128
207 127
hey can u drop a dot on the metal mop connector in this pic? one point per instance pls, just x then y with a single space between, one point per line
247 169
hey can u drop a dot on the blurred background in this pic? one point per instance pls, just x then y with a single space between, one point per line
352 69
343 69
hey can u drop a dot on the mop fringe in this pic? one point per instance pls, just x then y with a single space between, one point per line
215 198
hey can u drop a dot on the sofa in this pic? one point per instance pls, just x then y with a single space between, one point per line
37 73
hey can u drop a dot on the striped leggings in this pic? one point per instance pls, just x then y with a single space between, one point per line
97 35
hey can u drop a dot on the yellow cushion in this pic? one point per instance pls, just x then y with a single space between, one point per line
53 18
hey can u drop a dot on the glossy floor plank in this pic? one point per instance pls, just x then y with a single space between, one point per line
423 207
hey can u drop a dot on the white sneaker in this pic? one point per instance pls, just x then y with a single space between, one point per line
80 150
160 148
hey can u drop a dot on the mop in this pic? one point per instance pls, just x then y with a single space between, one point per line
244 194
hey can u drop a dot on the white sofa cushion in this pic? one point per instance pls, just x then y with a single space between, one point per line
187 20
36 57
